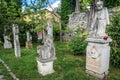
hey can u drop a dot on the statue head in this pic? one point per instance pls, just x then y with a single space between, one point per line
99 5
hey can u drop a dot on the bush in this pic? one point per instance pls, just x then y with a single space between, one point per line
114 32
114 29
115 57
77 44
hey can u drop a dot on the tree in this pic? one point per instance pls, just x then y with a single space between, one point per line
10 13
112 3
67 7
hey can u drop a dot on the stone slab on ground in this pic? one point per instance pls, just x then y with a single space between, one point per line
2 77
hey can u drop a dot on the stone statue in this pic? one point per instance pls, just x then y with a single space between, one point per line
47 51
98 49
99 21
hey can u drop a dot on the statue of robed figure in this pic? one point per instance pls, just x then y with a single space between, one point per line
99 21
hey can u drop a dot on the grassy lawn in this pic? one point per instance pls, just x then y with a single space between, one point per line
67 66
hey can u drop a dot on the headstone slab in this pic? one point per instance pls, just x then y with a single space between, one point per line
45 68
97 57
7 43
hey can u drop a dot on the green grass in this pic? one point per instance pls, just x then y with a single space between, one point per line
67 66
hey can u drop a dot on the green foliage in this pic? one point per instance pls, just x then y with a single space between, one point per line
56 30
10 11
114 29
67 66
115 57
84 4
112 3
67 7
114 32
77 44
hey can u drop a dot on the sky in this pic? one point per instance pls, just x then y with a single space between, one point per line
54 4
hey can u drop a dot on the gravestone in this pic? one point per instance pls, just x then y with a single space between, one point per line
29 40
46 52
7 43
16 40
98 49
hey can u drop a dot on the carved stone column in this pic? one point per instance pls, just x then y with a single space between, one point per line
16 40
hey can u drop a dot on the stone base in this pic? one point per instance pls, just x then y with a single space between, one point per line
28 44
97 57
96 75
45 68
8 45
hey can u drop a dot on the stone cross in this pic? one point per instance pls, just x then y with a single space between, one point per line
16 40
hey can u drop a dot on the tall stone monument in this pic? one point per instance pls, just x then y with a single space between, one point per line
16 40
7 43
29 40
98 49
46 52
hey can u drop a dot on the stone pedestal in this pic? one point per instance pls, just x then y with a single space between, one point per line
45 66
97 57
28 44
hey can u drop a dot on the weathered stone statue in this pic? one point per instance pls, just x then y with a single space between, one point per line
46 52
98 49
7 43
99 21
16 40
29 40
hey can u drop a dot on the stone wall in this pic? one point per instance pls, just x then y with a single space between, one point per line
77 19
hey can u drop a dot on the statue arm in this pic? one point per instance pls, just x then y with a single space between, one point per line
107 17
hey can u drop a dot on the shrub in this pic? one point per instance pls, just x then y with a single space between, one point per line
114 32
115 57
77 44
